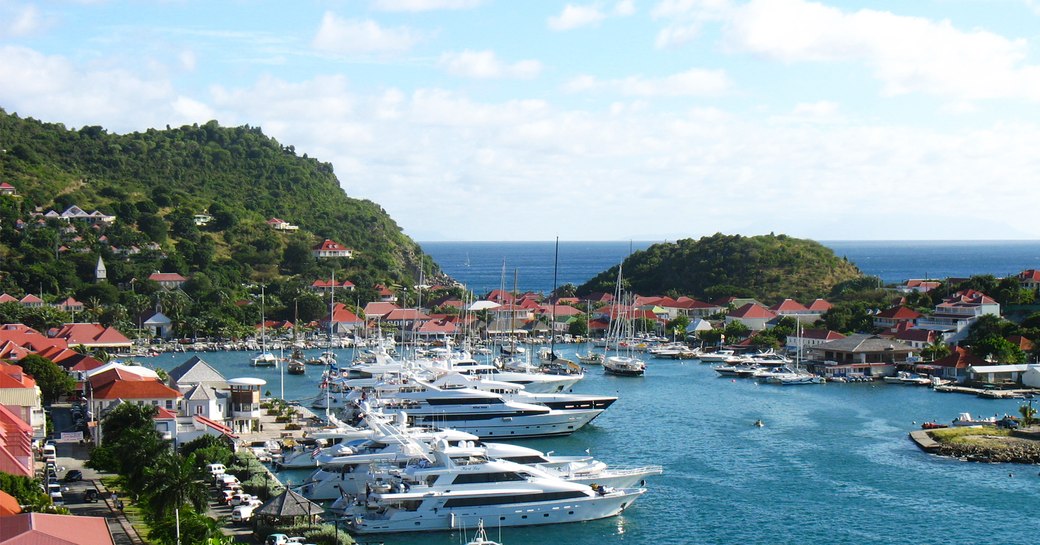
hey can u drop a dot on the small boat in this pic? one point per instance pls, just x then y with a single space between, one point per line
481 536
296 367
759 424
933 425
624 366
592 358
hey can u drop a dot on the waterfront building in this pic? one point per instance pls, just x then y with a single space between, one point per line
891 318
245 403
860 354
752 315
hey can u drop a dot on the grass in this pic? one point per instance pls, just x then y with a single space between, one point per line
969 435
132 512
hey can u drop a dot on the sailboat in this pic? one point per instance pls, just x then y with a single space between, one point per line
296 365
264 358
621 364
328 357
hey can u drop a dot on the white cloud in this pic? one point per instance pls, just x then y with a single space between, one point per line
351 36
18 21
907 54
485 64
686 18
575 16
823 108
424 5
694 82
187 59
51 87
624 8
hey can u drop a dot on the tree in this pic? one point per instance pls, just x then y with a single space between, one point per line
999 349
736 330
28 492
936 350
579 327
174 481
678 325
1028 414
53 381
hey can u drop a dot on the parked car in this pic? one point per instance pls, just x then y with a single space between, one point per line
216 470
240 498
276 539
73 475
244 512
230 493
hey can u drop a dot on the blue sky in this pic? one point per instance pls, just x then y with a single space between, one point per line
602 120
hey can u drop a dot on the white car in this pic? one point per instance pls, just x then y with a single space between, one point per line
244 512
240 499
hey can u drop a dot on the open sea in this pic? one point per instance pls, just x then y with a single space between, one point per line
485 266
832 465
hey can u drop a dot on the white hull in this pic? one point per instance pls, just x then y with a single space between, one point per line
515 427
518 514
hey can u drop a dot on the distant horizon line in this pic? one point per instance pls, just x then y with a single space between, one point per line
966 240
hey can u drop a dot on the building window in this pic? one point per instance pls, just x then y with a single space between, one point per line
169 404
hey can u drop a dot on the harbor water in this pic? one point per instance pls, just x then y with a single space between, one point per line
832 463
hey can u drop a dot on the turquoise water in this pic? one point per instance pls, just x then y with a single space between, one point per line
832 464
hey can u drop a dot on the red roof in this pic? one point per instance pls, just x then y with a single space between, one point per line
166 277
405 314
48 529
343 315
163 413
8 298
1023 343
121 384
788 305
821 334
8 505
899 313
327 284
91 335
215 425
1029 274
820 305
378 309
753 311
917 335
960 358
443 326
329 245
30 298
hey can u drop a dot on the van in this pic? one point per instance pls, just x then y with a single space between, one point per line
216 470
50 453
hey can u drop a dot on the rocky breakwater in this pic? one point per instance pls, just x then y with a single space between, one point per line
989 445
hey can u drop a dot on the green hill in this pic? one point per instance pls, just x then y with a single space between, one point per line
768 267
155 182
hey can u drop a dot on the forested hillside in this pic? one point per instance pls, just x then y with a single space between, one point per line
155 183
769 268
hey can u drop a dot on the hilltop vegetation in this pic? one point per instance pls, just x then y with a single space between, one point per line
768 268
154 183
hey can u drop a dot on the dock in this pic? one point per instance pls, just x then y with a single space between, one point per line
924 441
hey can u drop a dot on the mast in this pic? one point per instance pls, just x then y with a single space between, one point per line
552 322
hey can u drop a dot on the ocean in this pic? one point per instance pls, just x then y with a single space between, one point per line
832 464
485 266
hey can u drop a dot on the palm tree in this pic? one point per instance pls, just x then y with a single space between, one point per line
174 481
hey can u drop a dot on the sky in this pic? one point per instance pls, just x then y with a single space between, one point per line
591 120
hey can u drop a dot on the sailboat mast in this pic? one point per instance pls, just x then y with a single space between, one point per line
552 300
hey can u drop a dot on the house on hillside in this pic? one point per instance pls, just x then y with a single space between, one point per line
809 338
282 225
329 248
170 281
92 336
955 315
